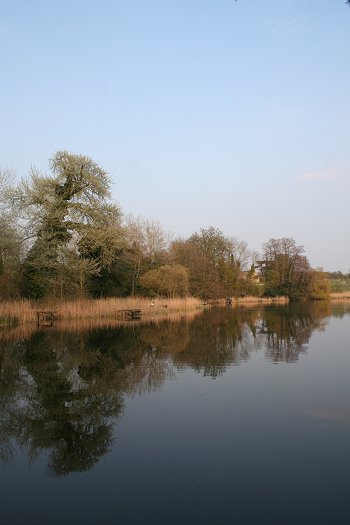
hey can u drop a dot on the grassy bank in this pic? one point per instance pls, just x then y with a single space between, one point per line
25 311
340 285
340 296
252 300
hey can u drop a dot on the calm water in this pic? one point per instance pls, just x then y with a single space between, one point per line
235 416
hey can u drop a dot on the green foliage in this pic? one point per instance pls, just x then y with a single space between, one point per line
146 249
62 236
37 278
10 242
319 287
76 229
114 281
167 280
338 275
214 262
287 272
10 256
340 285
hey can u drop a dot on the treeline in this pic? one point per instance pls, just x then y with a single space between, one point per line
339 281
338 275
63 236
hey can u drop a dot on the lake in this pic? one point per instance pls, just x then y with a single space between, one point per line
234 415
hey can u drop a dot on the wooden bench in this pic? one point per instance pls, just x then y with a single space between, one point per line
45 318
129 315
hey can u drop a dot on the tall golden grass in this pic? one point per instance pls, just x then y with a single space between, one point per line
26 330
24 311
340 296
252 299
12 312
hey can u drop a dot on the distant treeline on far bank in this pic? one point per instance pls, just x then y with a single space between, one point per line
62 236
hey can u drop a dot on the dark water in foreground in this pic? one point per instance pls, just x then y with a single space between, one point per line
237 416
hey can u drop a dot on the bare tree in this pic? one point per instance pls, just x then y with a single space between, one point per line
287 270
147 245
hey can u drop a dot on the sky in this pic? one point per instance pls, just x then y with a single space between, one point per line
227 113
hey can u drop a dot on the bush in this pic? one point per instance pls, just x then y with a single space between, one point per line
168 280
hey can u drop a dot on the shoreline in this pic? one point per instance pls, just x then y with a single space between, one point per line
13 313
337 297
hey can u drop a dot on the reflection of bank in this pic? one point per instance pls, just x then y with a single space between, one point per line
341 308
67 390
62 390
68 413
221 337
208 344
54 409
288 333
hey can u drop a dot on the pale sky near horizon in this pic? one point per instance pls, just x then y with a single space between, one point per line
222 113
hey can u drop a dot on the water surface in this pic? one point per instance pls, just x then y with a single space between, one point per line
236 416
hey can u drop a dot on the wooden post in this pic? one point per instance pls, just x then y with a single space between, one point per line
45 318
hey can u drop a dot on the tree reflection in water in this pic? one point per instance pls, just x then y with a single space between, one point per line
62 392
288 333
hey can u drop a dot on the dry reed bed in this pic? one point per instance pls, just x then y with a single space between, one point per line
252 300
262 300
26 330
340 296
78 325
17 311
24 311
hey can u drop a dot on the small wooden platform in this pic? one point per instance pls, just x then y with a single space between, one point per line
129 315
45 318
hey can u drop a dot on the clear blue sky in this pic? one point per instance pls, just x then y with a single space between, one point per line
223 113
